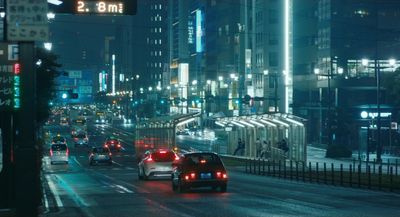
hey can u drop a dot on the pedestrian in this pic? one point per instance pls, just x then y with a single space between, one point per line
239 147
265 148
284 146
258 147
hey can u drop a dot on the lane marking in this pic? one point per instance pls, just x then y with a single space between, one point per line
54 191
117 163
123 188
76 161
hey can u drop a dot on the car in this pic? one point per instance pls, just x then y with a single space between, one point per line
199 169
100 155
156 163
113 143
58 140
59 152
81 139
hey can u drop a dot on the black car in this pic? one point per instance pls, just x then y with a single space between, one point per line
199 169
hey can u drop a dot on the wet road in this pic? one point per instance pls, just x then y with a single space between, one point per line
78 189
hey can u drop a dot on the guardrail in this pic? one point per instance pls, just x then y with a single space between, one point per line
370 176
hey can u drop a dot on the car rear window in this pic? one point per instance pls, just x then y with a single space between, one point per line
204 159
59 147
58 139
113 141
167 156
100 150
81 136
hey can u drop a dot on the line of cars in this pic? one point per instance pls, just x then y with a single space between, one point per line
186 171
59 151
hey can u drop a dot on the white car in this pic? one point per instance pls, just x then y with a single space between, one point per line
156 163
100 155
59 153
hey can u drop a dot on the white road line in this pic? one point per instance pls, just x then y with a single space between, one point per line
77 162
46 201
123 188
54 191
117 163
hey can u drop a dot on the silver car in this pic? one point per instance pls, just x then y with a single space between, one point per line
100 155
59 153
156 163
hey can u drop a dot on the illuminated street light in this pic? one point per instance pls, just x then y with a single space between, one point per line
220 78
340 70
266 72
48 46
316 71
364 62
208 82
233 75
51 16
392 62
194 82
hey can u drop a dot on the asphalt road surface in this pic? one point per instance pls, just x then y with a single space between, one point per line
78 189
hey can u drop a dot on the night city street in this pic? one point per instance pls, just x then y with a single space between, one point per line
193 108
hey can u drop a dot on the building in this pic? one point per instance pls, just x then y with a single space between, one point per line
354 41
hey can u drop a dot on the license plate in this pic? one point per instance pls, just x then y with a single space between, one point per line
205 175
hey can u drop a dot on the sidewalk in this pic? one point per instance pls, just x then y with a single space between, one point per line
6 213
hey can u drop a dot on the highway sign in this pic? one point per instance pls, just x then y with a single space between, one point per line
94 7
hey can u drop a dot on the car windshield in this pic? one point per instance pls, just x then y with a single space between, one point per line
58 139
59 147
202 159
100 150
163 156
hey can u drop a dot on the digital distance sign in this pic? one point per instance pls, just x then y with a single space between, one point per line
96 7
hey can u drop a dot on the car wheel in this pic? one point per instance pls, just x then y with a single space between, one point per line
222 188
145 177
52 163
91 162
66 162
140 177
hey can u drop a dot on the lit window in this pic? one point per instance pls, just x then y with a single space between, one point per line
160 7
159 29
159 41
159 53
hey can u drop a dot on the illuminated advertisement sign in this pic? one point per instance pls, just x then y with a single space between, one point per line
10 80
199 32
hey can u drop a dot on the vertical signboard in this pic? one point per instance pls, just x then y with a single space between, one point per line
9 77
27 20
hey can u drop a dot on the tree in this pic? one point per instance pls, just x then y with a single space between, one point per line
46 73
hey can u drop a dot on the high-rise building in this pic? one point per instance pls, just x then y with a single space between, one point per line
336 75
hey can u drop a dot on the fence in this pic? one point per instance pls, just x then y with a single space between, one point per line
371 176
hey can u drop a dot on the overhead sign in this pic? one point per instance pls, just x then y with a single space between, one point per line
9 77
95 7
27 20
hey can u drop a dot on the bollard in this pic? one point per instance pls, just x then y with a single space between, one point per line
369 176
297 171
374 166
317 172
304 171
388 165
351 175
250 166
325 181
263 167
359 175
254 166
379 177
341 174
273 167
333 174
309 172
391 178
284 169
291 169
259 166
279 168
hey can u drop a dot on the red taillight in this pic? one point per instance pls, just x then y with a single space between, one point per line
109 154
51 152
176 157
149 159
118 145
190 176
163 152
203 161
67 151
106 145
186 177
221 175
